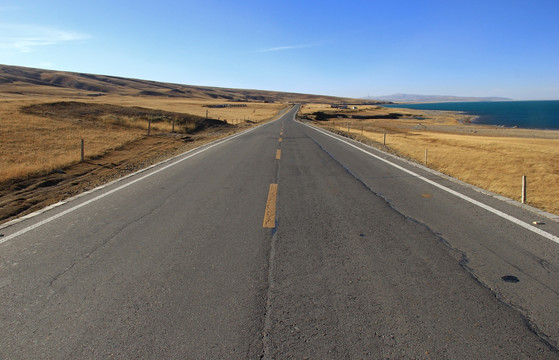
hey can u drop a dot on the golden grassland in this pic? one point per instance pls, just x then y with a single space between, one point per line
492 158
35 145
17 81
255 111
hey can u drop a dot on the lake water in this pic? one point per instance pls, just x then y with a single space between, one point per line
524 114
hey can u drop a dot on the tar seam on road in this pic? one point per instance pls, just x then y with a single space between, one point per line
74 208
267 328
450 191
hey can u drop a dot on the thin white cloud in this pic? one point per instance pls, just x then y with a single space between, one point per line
283 48
26 38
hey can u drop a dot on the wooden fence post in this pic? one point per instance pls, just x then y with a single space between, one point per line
524 189
83 150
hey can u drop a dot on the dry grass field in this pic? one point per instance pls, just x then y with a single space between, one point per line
254 112
33 144
489 157
50 138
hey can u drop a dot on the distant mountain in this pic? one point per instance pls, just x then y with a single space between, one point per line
432 98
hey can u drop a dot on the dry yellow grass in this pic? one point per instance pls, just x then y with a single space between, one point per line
479 155
31 144
255 112
34 145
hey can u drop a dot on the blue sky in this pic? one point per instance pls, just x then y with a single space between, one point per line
351 48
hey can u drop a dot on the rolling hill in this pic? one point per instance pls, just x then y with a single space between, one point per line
16 80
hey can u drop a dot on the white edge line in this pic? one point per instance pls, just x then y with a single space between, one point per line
453 192
194 152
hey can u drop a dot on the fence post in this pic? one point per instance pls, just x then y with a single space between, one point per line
384 139
83 152
524 189
173 126
425 157
149 125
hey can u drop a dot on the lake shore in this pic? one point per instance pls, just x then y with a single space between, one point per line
535 114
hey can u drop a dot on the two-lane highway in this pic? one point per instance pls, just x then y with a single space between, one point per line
282 242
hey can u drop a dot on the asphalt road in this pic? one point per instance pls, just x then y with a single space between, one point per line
281 242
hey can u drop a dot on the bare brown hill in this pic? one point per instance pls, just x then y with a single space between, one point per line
16 80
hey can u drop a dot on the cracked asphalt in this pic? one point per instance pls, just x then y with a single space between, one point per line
175 262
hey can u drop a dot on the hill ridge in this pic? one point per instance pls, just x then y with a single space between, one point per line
28 81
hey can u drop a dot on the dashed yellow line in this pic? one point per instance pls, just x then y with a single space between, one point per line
280 139
270 212
278 154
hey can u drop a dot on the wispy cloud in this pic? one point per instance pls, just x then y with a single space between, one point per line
26 38
283 48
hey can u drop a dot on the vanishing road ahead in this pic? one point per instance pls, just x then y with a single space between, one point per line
281 242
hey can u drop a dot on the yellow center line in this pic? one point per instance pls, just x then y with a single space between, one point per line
278 154
270 212
280 139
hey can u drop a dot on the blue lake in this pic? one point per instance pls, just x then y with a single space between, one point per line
524 114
